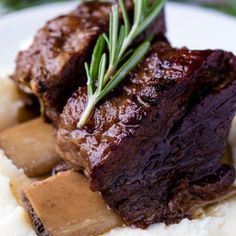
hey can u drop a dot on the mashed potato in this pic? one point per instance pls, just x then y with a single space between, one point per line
13 219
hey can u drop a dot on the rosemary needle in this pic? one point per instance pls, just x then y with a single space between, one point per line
105 71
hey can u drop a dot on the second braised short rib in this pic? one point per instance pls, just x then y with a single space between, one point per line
53 67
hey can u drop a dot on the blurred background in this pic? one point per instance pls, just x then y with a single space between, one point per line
228 6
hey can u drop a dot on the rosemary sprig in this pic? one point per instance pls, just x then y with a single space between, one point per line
105 71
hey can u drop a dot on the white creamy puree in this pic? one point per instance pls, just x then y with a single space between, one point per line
13 219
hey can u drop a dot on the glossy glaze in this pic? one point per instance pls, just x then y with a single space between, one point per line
163 127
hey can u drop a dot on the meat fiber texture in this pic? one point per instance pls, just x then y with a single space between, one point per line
53 67
153 148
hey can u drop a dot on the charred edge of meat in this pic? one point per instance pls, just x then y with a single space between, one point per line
36 221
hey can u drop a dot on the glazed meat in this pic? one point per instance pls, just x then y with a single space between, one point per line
53 67
154 147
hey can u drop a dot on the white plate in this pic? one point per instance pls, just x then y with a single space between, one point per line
194 27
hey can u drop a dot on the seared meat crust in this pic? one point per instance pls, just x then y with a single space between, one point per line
53 67
159 137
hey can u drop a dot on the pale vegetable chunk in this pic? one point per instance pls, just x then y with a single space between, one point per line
31 146
64 205
12 105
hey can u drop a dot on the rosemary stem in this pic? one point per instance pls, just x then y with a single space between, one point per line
92 101
125 45
127 41
112 58
109 73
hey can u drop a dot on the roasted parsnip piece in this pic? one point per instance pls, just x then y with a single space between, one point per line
31 146
64 205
